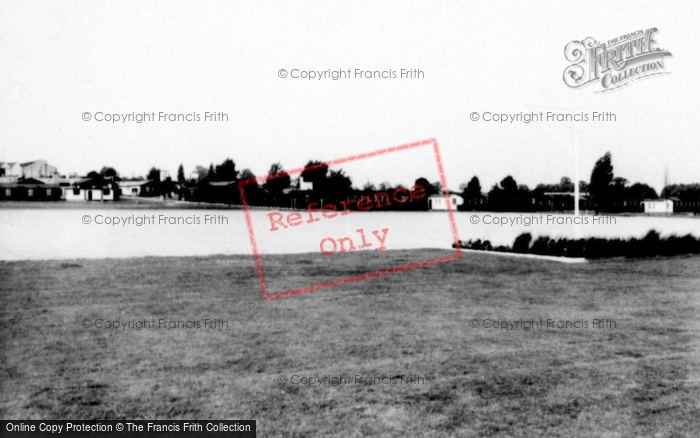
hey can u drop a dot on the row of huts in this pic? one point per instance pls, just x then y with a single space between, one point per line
72 189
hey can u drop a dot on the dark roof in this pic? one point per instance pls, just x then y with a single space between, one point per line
88 183
30 181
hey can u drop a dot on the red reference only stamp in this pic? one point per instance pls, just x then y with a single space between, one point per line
276 221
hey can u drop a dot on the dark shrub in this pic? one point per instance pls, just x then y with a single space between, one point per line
574 248
651 245
541 246
522 243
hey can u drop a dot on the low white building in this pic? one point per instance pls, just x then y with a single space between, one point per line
87 190
658 206
136 188
439 202
89 194
304 185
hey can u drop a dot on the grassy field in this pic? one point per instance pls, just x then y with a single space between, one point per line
638 379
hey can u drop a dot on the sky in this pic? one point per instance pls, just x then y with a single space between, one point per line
61 59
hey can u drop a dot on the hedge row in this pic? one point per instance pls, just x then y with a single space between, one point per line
651 245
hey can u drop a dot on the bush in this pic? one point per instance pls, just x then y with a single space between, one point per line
522 243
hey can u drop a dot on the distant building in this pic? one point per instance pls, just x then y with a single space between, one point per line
474 202
686 205
304 185
8 169
658 206
30 189
88 189
439 202
37 169
137 188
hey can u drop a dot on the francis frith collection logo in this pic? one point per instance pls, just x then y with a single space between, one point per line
615 63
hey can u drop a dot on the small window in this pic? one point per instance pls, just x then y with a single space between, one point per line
48 192
8 192
76 192
105 191
134 190
30 192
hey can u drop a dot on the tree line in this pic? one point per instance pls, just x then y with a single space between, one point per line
604 192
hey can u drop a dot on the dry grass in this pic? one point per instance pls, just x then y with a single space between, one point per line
639 379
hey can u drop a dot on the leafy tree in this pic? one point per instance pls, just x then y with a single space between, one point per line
685 192
618 190
153 174
508 196
252 191
601 180
641 191
619 182
471 192
246 174
422 204
473 188
226 171
369 187
180 174
509 186
339 184
95 176
109 172
201 172
277 181
211 174
425 184
315 172
565 184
